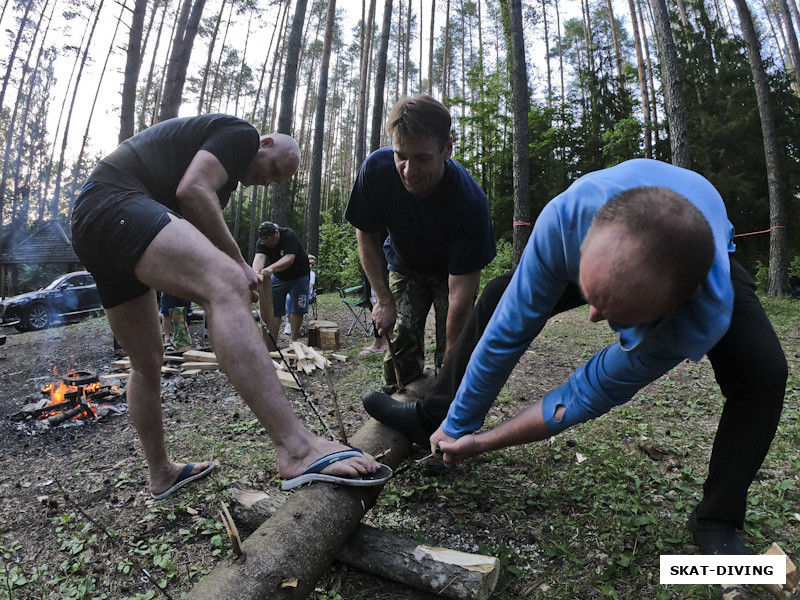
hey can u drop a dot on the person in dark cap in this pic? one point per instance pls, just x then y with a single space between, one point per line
281 257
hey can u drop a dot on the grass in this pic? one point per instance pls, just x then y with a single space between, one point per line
584 515
565 528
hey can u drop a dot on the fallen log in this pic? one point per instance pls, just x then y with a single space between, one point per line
448 573
290 552
201 365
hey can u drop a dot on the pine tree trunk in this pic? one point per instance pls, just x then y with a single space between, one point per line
216 90
211 42
9 137
315 183
280 196
521 102
268 55
242 66
560 55
430 49
547 56
363 87
14 49
143 121
275 73
76 181
775 37
189 21
421 45
133 61
791 38
673 95
617 49
778 198
446 54
650 79
380 78
407 53
65 138
648 147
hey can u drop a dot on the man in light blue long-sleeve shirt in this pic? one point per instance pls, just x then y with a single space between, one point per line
647 245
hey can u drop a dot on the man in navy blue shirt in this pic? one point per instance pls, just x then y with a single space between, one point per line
440 234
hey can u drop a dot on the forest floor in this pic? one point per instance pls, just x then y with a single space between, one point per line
584 515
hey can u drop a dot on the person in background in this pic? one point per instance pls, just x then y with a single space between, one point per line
440 235
312 280
380 343
281 256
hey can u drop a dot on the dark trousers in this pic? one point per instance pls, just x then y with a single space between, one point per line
749 366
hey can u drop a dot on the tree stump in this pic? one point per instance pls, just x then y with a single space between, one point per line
323 335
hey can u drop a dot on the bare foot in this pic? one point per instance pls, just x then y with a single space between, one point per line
293 464
166 477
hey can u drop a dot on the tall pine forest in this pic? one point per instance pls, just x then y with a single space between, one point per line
711 85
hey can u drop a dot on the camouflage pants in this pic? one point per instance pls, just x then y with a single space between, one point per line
414 298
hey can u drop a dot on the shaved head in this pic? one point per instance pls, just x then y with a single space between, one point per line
277 159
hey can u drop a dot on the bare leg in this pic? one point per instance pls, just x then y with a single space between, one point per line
183 262
296 322
136 325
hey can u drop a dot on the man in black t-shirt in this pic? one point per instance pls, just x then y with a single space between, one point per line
150 217
281 256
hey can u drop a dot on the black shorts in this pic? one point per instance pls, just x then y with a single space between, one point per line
111 229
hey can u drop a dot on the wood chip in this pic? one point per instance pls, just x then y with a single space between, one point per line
199 356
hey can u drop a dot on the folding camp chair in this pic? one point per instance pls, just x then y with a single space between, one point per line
360 306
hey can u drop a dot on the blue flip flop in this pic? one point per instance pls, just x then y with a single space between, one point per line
313 472
184 477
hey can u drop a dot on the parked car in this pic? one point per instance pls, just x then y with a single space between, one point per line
69 297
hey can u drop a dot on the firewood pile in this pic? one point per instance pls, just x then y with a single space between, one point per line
297 357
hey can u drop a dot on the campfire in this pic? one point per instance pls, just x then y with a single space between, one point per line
77 395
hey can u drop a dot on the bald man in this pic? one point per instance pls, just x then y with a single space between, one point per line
647 246
150 217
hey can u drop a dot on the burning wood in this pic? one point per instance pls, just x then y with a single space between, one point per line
77 395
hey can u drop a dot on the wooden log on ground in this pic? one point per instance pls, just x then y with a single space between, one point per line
448 573
287 555
201 365
791 588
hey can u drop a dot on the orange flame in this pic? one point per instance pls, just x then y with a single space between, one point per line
58 391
